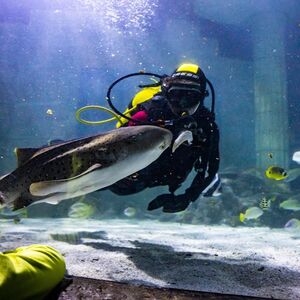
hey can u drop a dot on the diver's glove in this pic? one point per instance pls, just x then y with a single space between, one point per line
170 203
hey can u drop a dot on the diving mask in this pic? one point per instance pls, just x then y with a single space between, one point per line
183 99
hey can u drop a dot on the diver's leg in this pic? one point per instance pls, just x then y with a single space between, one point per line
127 186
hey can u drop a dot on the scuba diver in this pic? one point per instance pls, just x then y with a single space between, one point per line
178 106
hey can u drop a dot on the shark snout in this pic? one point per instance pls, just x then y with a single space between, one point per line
154 138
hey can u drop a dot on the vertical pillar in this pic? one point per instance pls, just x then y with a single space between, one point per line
271 107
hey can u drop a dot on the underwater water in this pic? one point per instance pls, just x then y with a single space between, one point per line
59 56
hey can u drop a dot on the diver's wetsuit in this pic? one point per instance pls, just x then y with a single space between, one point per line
173 168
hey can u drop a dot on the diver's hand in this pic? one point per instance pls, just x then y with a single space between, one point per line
170 203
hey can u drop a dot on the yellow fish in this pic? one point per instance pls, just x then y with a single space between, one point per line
251 213
276 173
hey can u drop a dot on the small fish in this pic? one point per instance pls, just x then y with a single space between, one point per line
49 112
270 155
251 213
130 212
296 157
81 210
212 202
265 203
293 174
290 204
184 136
292 224
276 173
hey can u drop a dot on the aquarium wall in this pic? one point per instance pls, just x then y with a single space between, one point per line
57 57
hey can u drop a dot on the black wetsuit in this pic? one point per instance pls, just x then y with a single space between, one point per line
170 168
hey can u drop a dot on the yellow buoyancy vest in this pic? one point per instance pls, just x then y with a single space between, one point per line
143 95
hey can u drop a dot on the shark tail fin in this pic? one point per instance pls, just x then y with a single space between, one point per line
4 202
13 204
6 196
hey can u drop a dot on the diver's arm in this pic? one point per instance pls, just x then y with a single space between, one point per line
207 181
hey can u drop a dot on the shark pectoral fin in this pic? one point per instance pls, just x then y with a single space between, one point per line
184 136
44 188
53 200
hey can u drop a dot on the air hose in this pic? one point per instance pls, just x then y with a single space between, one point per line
117 115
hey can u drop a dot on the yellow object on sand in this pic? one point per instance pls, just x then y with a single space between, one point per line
30 272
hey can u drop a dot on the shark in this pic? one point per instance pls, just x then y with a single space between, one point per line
81 166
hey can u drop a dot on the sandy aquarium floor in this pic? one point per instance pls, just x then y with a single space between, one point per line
259 262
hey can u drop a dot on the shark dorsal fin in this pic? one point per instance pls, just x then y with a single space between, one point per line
24 154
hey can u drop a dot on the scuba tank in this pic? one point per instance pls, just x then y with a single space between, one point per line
142 96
